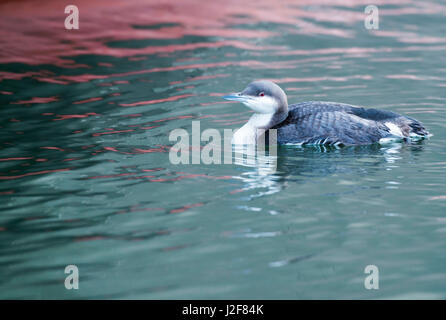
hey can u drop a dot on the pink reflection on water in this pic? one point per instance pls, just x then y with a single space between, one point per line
173 118
70 159
138 209
75 116
138 150
15 159
89 238
186 207
52 148
15 76
173 98
105 64
47 42
88 100
32 174
97 134
413 77
37 100
234 122
112 175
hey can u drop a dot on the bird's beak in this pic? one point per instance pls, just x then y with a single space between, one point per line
237 97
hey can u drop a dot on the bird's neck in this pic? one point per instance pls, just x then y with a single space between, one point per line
248 134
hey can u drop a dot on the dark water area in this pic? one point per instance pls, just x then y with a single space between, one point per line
85 176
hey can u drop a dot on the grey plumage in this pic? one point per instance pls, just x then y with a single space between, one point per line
269 89
332 123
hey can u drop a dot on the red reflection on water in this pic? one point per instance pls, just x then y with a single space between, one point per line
151 170
234 122
173 118
37 100
236 191
74 116
89 238
148 128
15 76
88 100
186 207
111 132
51 80
173 248
15 159
105 64
173 98
150 150
64 79
85 78
140 177
47 42
32 174
52 148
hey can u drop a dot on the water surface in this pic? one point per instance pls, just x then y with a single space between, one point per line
85 176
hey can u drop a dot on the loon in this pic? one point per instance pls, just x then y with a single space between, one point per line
318 122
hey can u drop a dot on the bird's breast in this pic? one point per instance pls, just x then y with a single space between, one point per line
244 135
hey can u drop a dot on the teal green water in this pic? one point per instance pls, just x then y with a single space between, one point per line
85 176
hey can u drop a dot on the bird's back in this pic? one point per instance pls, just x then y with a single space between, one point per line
333 123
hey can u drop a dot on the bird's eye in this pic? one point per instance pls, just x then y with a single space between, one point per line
261 94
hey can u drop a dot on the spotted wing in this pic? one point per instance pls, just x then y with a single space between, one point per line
329 123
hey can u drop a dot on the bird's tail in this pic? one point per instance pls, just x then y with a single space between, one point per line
417 129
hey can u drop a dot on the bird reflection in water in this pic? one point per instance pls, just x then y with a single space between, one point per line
271 169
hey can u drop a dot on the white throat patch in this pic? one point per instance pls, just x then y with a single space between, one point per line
263 104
